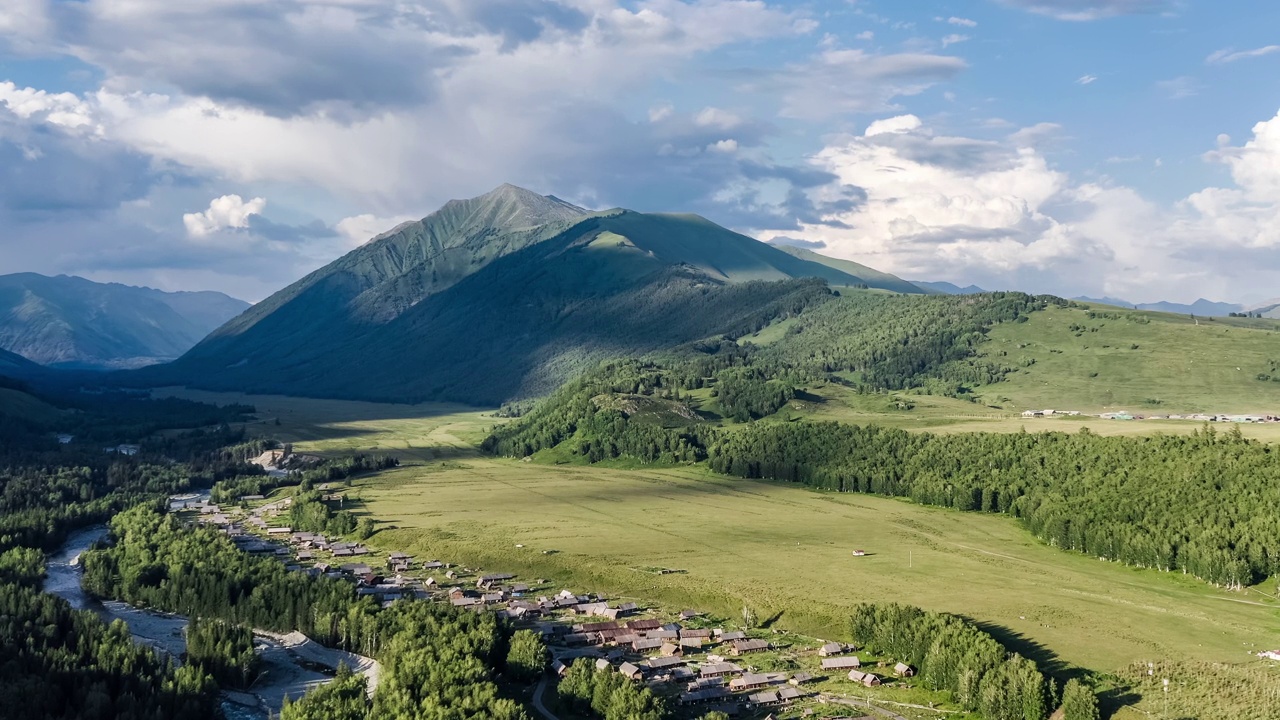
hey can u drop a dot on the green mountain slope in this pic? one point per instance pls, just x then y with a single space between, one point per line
870 276
498 297
73 322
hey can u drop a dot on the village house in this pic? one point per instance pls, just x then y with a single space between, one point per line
689 614
669 650
646 645
903 670
704 683
698 697
790 694
694 633
800 678
742 647
630 671
764 698
750 681
693 643
644 625
663 663
711 670
602 664
731 636
867 679
840 663
559 668
830 649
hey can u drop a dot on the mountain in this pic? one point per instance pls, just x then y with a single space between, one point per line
1267 309
869 276
1202 307
72 322
499 297
15 366
947 288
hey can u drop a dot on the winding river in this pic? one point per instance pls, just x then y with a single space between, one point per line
288 662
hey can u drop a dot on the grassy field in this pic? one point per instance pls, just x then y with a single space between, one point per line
1143 362
785 552
940 414
778 549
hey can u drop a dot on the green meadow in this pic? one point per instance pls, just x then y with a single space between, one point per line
784 551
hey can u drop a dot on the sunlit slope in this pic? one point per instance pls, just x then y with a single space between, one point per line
1100 358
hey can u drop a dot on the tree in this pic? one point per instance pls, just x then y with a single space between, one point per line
1079 702
364 528
527 656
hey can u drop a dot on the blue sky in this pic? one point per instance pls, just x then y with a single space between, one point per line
1128 148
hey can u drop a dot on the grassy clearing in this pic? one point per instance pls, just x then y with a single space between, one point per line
1144 362
786 552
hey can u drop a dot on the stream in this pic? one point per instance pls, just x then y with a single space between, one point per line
288 662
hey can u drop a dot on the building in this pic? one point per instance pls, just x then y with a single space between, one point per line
731 636
663 663
764 698
903 670
868 679
800 678
712 670
750 681
841 663
693 643
630 671
830 649
646 644
742 647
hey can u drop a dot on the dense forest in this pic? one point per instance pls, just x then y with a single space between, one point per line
58 662
437 662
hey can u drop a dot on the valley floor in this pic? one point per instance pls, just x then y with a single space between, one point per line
785 552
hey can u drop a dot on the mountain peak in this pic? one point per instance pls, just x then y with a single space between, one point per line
512 207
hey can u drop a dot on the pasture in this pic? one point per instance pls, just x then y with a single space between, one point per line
785 552
1143 362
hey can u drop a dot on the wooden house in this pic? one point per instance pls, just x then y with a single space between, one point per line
867 679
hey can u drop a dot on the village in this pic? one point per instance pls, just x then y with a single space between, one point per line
1126 415
699 663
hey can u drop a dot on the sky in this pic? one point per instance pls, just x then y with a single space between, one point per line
1123 148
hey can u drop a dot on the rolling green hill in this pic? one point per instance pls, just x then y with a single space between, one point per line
499 297
872 277
72 322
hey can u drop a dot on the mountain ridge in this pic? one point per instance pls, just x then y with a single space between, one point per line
70 321
524 287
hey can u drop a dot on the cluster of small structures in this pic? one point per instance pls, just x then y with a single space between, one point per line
1125 415
684 658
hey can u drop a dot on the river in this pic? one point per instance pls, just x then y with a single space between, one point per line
282 674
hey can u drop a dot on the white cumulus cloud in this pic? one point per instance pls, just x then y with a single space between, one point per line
226 212
998 213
